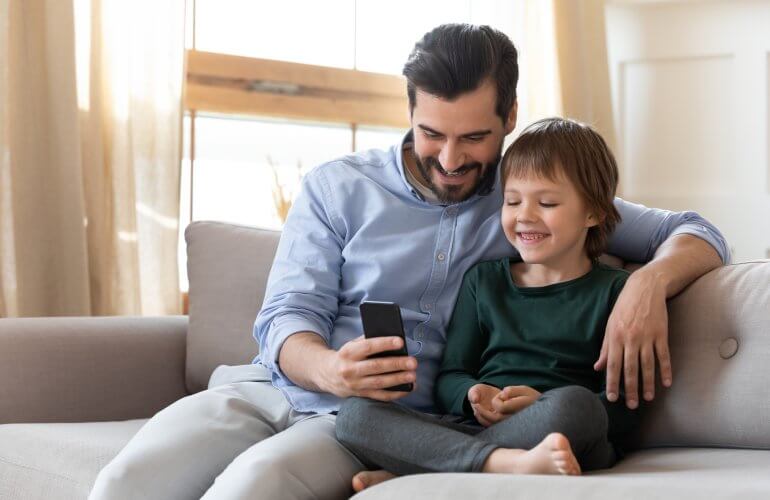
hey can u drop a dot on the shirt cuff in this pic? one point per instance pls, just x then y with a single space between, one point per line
704 233
280 330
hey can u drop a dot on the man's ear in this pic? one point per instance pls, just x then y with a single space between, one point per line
510 122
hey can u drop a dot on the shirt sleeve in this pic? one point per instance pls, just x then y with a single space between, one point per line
642 230
303 287
466 342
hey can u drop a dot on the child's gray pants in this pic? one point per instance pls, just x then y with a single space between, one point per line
404 441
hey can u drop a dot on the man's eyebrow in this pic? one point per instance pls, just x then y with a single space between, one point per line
475 133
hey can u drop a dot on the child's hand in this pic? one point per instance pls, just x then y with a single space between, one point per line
513 399
481 397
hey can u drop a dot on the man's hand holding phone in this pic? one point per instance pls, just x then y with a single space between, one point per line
353 373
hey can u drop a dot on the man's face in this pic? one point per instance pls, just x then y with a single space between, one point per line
457 143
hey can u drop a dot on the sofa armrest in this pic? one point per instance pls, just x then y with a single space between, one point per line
90 368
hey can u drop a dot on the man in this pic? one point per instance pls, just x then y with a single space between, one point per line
401 225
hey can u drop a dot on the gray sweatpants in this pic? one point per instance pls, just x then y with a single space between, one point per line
240 439
405 441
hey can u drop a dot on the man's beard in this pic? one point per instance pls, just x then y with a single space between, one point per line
454 193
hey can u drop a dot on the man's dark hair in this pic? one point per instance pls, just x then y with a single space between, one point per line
456 58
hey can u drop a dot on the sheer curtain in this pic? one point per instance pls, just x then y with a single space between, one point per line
90 119
563 63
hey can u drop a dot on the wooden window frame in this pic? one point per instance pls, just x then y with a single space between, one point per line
246 86
228 84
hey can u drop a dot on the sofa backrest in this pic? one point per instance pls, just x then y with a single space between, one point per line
719 335
227 267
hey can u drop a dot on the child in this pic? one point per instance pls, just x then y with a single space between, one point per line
517 382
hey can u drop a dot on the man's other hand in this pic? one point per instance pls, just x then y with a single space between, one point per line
637 333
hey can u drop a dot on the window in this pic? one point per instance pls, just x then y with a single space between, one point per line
274 89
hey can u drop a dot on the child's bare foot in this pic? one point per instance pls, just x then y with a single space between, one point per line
552 456
367 478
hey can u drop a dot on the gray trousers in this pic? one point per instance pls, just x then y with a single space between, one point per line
404 441
238 440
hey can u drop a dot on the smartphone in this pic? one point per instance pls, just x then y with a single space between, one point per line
383 319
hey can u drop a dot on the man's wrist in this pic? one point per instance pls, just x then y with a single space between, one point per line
304 359
325 371
653 277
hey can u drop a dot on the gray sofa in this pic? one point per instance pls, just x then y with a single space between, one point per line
74 390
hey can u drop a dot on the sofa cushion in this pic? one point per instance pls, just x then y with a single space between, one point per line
227 267
45 461
660 473
719 336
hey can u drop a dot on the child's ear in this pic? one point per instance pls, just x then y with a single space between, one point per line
593 220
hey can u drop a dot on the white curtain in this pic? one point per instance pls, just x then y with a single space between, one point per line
563 63
90 120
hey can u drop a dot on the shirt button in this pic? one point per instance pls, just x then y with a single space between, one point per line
418 335
441 256
428 307
451 211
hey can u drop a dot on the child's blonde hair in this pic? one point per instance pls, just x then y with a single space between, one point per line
554 145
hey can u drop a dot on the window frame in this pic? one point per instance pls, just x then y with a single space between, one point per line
226 84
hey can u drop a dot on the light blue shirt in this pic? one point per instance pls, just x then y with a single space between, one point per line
359 231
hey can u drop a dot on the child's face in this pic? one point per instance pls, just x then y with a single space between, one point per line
545 220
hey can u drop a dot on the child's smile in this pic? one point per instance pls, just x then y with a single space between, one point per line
530 238
547 221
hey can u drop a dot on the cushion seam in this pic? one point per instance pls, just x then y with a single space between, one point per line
22 466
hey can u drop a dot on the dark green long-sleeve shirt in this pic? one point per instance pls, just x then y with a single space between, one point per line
543 337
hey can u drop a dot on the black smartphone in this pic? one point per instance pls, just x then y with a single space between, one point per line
383 319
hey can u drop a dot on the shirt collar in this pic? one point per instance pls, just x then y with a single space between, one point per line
399 153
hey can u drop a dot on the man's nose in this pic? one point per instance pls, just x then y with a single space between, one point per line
451 157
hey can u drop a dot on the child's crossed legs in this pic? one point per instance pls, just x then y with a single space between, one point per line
405 441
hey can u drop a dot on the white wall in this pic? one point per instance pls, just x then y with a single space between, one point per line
690 82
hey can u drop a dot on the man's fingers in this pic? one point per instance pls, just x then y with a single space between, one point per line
364 348
648 372
387 364
614 363
664 358
384 381
631 375
601 363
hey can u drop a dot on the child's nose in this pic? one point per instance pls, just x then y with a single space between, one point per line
525 213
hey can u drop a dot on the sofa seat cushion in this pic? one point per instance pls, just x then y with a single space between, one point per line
61 461
650 474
